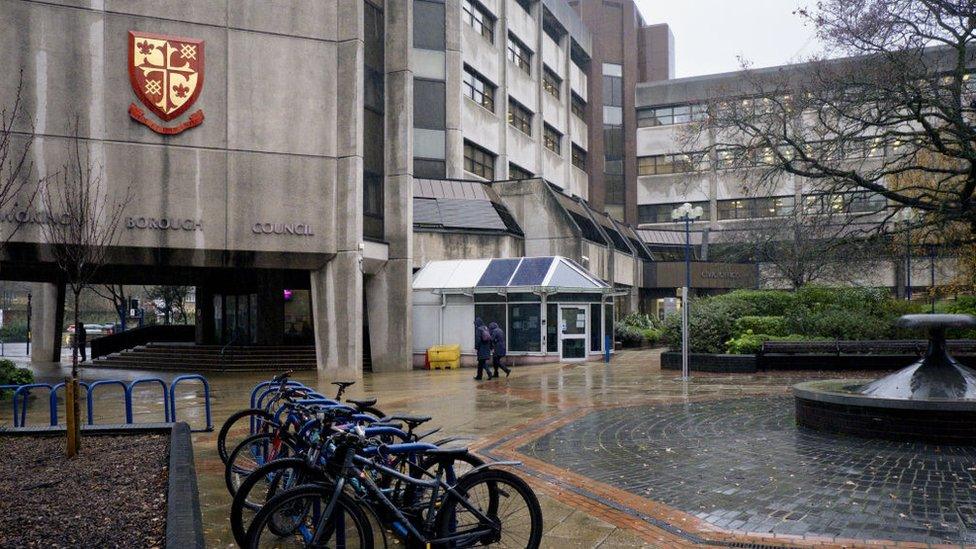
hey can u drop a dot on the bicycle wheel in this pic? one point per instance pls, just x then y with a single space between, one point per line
414 494
260 486
300 509
511 507
254 452
238 427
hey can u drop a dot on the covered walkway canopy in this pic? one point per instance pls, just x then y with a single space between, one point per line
548 306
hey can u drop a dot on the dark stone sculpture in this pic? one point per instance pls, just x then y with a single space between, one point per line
936 375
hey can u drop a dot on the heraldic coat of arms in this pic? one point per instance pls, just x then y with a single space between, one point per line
166 73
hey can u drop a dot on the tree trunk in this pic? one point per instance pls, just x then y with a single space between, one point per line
73 422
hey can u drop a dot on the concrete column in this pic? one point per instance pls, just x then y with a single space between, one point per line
389 298
454 137
47 318
389 291
337 311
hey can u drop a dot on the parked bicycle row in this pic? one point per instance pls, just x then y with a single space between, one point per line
306 470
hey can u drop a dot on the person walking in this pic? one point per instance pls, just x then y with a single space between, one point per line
482 345
499 349
81 340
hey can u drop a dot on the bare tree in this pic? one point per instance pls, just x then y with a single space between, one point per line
18 184
798 248
173 299
115 294
88 221
903 94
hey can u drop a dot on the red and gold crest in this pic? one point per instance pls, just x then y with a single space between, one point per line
166 73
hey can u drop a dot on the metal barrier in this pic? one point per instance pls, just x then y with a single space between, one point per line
54 402
128 398
169 398
206 398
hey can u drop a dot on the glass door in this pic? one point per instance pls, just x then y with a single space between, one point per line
572 332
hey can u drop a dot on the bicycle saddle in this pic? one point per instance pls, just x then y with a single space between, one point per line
411 421
281 377
344 384
362 403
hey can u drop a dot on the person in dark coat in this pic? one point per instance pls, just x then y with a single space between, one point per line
81 340
482 344
498 348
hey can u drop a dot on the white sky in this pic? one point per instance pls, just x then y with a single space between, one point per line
709 35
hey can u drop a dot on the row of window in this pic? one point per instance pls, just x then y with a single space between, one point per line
672 114
481 162
519 54
479 18
772 206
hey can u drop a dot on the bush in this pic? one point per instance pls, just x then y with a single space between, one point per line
772 325
14 332
10 374
760 302
962 305
840 324
711 321
628 335
750 343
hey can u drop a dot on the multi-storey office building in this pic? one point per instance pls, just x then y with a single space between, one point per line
493 88
625 52
734 198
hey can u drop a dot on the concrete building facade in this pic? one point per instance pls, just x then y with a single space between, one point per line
306 132
626 52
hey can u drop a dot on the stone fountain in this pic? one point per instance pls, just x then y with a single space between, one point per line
933 399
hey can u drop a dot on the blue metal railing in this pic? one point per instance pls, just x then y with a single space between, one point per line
169 398
206 398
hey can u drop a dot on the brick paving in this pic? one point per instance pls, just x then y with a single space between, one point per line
588 506
742 465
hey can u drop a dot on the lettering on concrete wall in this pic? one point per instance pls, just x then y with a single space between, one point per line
721 274
23 217
163 224
296 229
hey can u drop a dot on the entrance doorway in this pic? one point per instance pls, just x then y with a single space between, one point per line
236 319
573 330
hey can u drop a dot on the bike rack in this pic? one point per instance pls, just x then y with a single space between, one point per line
91 399
169 398
254 391
206 399
23 390
128 398
54 401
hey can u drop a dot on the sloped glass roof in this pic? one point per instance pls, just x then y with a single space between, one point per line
558 273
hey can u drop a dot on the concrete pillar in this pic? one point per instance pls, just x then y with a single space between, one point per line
389 291
337 311
47 318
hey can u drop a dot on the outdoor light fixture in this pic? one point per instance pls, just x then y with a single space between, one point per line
687 213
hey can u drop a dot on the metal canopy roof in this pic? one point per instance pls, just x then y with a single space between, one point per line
489 275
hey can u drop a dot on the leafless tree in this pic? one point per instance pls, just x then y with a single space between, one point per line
115 294
88 220
871 121
799 248
18 184
173 299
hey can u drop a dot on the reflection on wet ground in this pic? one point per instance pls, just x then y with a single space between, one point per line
487 412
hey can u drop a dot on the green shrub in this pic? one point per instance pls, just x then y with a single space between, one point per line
870 300
711 321
772 325
962 305
10 374
14 332
750 343
628 335
840 324
760 302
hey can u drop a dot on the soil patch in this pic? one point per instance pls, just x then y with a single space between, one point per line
113 494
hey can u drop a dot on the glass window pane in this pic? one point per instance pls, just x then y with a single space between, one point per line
429 16
498 273
525 327
428 104
552 324
596 338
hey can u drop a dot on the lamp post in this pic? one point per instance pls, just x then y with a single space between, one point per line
687 213
29 296
908 217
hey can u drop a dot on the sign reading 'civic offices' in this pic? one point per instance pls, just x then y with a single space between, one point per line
166 73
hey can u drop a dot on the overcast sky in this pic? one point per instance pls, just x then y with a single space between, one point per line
710 34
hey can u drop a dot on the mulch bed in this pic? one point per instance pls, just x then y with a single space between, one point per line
113 494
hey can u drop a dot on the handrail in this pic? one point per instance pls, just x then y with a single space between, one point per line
206 398
128 398
165 333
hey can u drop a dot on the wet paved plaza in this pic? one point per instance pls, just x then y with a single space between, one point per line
625 455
